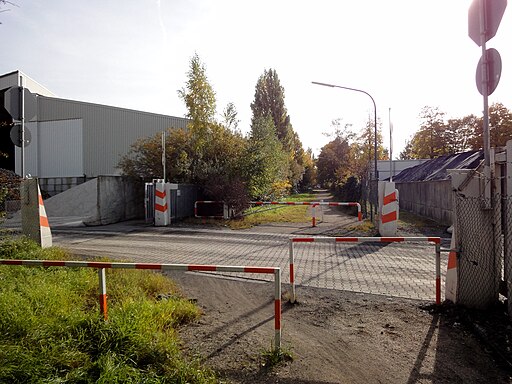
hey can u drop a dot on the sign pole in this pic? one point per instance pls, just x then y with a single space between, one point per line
485 86
22 118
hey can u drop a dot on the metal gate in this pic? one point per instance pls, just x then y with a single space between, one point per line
181 201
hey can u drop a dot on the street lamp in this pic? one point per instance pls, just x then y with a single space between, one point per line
374 121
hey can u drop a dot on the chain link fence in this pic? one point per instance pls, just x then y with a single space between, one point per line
480 244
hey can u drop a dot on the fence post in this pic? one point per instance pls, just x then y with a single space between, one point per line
438 273
103 292
277 308
292 272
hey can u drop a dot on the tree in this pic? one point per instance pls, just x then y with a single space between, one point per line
333 162
309 179
500 127
461 133
230 117
266 162
430 140
199 98
363 148
269 100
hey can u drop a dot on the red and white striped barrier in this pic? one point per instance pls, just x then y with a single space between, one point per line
161 206
162 267
208 202
323 239
45 233
389 208
314 204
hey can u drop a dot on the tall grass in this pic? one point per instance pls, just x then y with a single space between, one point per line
51 330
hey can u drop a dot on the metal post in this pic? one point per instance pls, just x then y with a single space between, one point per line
485 93
438 273
103 293
163 155
292 271
390 148
277 309
22 118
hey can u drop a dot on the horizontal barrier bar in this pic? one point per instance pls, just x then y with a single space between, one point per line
325 239
101 266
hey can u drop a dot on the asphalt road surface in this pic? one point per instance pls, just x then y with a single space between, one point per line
397 270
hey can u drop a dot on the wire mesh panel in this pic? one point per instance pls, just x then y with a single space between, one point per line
481 246
507 237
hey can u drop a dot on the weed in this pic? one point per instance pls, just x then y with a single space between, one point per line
274 357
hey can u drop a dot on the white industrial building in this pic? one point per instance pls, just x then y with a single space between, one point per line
73 141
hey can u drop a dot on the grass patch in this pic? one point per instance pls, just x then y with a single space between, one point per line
51 329
273 357
365 226
275 213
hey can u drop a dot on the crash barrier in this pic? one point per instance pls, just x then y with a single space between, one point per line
223 211
313 205
101 266
435 240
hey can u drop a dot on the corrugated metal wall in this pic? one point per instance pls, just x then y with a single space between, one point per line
107 131
55 149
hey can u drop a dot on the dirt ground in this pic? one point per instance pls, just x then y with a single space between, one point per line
333 336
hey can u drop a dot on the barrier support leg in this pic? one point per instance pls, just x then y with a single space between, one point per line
292 272
103 293
277 309
438 274
313 214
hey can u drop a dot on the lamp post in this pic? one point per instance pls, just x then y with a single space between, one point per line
374 121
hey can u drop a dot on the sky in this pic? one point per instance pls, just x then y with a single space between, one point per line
407 54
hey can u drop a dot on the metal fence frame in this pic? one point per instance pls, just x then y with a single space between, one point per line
324 239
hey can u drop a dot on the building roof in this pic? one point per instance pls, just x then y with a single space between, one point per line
437 169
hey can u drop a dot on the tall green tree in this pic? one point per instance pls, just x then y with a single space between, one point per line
266 162
199 98
333 162
269 101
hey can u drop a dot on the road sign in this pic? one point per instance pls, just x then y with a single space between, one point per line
493 10
16 135
493 71
12 103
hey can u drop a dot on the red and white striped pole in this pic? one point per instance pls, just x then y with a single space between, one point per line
103 293
324 239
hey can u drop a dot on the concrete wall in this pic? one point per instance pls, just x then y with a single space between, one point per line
432 199
103 200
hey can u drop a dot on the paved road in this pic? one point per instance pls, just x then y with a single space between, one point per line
398 270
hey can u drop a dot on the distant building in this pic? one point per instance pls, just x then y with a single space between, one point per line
74 139
387 168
